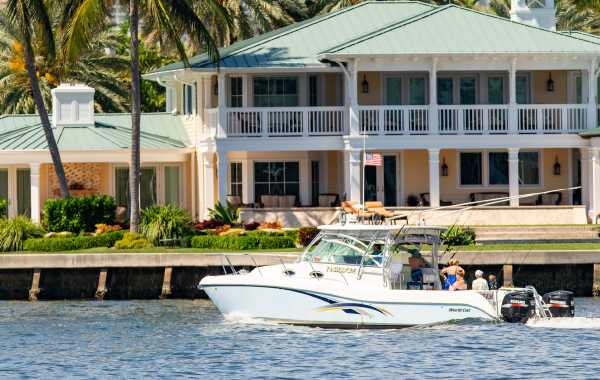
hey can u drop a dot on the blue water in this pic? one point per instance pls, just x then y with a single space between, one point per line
190 339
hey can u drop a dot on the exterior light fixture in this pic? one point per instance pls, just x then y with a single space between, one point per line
550 83
365 85
444 168
556 166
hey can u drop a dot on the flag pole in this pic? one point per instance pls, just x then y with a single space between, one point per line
364 161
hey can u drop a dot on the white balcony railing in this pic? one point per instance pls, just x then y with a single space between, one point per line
397 120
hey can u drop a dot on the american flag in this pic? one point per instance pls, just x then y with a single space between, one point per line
373 159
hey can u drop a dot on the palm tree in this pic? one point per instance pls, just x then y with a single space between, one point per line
30 22
104 72
170 18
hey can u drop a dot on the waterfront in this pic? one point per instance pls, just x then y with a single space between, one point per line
173 338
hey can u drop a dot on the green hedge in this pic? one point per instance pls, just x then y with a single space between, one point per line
78 214
59 244
3 208
243 242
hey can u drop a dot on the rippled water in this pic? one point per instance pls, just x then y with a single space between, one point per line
168 339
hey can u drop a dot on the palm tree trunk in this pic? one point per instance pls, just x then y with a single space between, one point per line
41 107
134 166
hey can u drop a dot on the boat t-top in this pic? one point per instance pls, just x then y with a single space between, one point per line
362 276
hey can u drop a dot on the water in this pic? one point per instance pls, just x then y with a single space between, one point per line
190 339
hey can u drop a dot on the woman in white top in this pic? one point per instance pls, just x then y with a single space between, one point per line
479 283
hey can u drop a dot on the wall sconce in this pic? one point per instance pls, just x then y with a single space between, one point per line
216 89
550 83
444 168
556 166
365 85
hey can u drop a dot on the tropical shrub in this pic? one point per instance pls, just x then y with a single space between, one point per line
306 235
209 224
132 240
3 208
79 214
13 232
227 214
168 222
242 242
457 236
60 244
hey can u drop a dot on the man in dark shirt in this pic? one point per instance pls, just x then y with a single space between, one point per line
492 282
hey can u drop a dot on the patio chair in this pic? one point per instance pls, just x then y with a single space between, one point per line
351 208
269 201
234 200
286 201
328 200
382 213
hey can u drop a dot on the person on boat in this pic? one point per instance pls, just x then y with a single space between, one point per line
492 282
416 262
449 273
459 283
479 283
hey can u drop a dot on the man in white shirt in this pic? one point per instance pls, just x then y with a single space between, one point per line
479 283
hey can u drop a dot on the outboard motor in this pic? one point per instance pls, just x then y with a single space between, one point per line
518 306
561 303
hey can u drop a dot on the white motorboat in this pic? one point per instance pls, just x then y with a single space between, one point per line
357 276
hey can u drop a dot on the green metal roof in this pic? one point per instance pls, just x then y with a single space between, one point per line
298 45
110 132
582 35
454 30
593 132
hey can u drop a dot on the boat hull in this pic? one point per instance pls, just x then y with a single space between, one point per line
306 306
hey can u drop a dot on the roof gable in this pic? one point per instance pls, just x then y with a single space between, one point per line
299 44
455 30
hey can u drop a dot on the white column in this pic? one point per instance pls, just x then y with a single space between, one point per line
201 188
245 91
433 109
513 176
223 176
247 182
434 177
593 183
192 183
512 94
35 192
352 98
209 181
592 93
305 182
585 174
352 174
222 105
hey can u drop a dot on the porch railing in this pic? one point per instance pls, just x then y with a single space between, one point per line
551 118
391 120
473 119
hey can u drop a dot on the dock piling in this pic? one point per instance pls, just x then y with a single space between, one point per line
166 287
507 271
101 290
596 281
35 285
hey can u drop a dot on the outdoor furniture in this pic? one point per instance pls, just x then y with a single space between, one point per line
351 208
234 200
553 198
269 201
381 212
276 201
425 200
487 195
328 200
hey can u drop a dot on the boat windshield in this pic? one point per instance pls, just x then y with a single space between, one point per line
343 249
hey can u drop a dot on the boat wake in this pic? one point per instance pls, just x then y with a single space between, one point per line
239 318
566 323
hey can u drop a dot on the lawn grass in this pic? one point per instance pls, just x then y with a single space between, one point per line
530 247
170 250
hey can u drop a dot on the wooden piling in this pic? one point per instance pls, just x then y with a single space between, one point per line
35 285
507 271
596 281
101 289
166 287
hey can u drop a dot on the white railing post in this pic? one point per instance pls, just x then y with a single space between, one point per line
460 120
264 123
565 112
381 121
539 123
305 126
405 120
486 113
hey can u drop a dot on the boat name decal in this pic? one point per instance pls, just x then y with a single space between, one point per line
341 269
459 310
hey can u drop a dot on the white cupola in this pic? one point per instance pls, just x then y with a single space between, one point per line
72 105
539 13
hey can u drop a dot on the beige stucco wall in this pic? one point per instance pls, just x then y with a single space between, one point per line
540 94
330 83
373 97
416 173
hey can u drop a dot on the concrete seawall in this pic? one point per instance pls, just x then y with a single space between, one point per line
176 275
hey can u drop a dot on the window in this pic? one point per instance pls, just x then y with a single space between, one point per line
468 94
578 89
235 174
172 188
236 97
394 91
495 90
417 91
313 91
276 178
445 90
498 168
147 187
523 90
315 182
275 92
122 187
188 99
3 188
529 169
24 192
471 169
